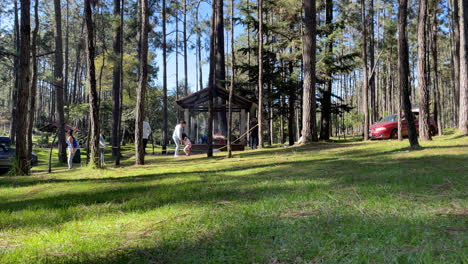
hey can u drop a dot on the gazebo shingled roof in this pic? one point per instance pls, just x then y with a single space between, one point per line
198 101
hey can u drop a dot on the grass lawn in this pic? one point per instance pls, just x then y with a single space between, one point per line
344 202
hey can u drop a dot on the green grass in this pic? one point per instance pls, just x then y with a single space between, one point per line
342 202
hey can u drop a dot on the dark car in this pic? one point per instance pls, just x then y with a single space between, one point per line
387 127
7 154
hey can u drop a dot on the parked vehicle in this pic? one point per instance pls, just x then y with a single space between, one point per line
7 154
387 127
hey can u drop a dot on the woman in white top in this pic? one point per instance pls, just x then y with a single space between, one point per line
177 136
102 145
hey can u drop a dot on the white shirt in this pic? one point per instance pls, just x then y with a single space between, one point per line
102 141
146 130
178 132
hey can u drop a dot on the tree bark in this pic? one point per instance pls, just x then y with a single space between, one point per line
372 83
211 78
260 74
176 15
325 126
116 85
185 50
58 82
199 49
403 68
308 56
424 132
93 136
77 72
164 48
220 73
437 105
231 88
291 105
14 109
67 55
33 87
142 83
463 105
365 87
24 82
456 56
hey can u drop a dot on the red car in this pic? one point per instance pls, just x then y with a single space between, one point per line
387 127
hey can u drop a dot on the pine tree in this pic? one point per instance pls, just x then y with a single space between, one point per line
463 106
424 132
117 47
142 83
24 82
58 82
93 138
308 111
403 68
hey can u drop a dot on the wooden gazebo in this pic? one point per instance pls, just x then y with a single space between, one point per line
198 102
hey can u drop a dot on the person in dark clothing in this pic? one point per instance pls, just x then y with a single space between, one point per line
253 134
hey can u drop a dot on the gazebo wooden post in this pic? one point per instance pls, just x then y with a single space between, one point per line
248 129
242 122
193 125
187 119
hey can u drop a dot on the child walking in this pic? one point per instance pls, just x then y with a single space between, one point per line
187 143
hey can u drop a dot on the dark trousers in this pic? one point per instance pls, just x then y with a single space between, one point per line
145 142
253 142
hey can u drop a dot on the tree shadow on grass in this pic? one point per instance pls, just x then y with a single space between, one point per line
318 236
403 175
31 181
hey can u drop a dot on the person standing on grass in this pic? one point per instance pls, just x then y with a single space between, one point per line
102 145
146 134
254 134
72 146
177 136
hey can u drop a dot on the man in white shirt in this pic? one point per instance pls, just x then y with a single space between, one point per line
177 136
146 134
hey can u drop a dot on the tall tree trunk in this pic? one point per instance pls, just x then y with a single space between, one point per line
67 55
185 50
164 48
23 91
142 82
93 136
33 89
365 87
14 109
58 82
403 68
121 60
437 104
463 106
291 105
220 73
77 74
372 83
199 47
424 132
177 56
456 55
211 78
325 126
116 85
308 56
260 74
231 88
